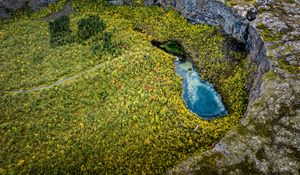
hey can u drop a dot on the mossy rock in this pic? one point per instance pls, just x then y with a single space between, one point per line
290 68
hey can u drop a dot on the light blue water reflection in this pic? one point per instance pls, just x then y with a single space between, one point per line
199 95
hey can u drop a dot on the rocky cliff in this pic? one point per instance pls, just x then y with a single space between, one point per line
9 6
267 141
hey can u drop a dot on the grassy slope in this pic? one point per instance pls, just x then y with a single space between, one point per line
127 116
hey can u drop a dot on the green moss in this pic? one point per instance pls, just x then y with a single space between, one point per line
261 129
287 1
267 34
172 47
204 170
296 37
261 155
290 68
246 167
238 2
242 130
261 26
270 75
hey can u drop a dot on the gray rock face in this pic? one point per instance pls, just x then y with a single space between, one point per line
213 13
37 4
65 11
3 14
14 5
251 13
150 2
121 2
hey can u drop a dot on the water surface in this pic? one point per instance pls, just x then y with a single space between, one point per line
199 95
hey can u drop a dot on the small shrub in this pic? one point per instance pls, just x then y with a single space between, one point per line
88 27
60 31
107 41
107 45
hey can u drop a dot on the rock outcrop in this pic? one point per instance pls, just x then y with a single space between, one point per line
9 6
267 141
37 4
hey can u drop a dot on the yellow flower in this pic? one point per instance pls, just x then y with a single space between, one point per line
21 162
81 125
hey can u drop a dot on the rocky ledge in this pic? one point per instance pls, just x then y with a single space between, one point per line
267 140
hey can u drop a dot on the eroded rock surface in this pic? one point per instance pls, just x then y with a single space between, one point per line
10 6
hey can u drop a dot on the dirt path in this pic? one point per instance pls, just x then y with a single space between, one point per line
59 82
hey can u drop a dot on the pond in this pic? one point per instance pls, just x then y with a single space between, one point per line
199 95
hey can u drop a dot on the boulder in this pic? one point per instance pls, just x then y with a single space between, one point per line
37 4
3 14
7 6
12 5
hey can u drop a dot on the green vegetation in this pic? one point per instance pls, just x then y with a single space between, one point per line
290 68
239 2
26 13
60 31
172 47
88 27
270 75
124 113
1 36
267 34
260 154
107 45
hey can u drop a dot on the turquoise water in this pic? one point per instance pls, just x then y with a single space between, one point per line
199 95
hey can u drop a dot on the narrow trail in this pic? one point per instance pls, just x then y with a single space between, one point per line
59 82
